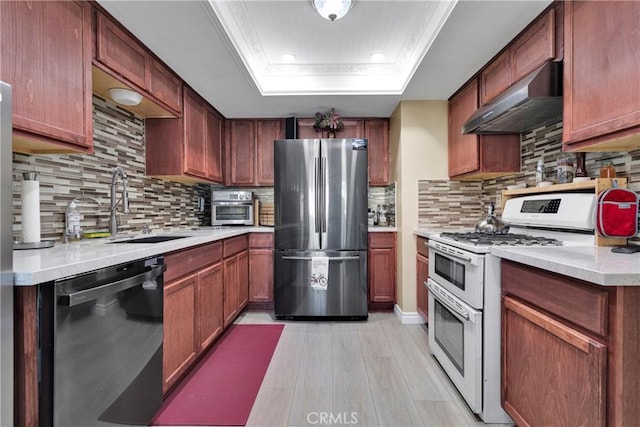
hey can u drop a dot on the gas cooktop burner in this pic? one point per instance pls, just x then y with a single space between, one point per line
501 239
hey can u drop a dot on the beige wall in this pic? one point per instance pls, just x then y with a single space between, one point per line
418 138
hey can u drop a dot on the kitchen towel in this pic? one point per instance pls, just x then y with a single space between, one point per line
320 272
30 197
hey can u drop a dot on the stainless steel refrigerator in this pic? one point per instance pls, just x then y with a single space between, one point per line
321 198
6 259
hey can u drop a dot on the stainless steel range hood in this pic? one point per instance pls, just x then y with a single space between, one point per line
534 101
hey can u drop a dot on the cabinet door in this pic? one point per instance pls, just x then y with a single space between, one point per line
215 137
120 52
496 77
261 275
210 305
551 373
267 132
165 86
230 272
195 150
534 47
353 128
307 131
179 345
46 57
382 267
463 149
243 279
422 274
377 134
601 79
242 141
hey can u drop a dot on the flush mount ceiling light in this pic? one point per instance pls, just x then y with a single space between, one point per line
125 96
332 9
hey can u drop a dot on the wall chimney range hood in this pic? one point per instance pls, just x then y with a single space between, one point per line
535 100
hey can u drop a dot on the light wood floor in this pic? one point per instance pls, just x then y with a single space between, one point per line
373 373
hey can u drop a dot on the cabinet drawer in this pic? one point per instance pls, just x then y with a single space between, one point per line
234 245
421 246
192 259
579 302
382 240
261 240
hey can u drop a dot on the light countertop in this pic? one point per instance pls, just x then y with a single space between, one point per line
68 259
595 264
35 266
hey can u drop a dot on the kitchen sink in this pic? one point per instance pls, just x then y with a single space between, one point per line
150 239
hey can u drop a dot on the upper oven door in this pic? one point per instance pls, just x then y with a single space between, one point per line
459 272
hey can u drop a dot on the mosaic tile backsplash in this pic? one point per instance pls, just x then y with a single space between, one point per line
454 204
118 140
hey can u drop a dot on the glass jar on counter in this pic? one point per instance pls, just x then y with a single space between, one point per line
566 166
607 170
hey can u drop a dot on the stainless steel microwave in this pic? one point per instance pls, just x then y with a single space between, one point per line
231 208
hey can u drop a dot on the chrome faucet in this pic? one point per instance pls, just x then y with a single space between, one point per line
69 231
113 225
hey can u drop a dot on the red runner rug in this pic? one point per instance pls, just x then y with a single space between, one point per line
221 389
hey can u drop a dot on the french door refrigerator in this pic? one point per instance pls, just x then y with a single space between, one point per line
321 199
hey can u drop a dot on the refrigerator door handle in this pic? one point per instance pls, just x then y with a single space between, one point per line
308 258
323 168
317 178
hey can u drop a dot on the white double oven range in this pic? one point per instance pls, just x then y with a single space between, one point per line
465 292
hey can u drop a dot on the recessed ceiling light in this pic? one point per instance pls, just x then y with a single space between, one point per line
288 57
377 57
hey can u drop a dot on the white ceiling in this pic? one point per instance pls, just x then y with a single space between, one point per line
230 51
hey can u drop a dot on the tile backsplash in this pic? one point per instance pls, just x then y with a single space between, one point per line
456 204
118 138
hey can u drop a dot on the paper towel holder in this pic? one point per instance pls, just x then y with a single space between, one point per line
29 176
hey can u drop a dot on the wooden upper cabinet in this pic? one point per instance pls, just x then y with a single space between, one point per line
250 144
464 155
195 146
307 131
478 156
215 139
376 131
353 128
122 61
165 86
120 52
496 77
601 78
187 148
46 58
532 48
242 144
268 132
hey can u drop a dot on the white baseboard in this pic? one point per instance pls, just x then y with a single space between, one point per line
410 317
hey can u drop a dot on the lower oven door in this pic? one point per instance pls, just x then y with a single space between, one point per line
455 339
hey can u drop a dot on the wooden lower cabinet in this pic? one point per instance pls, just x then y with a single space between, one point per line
210 299
236 277
554 375
382 269
179 345
569 349
261 268
230 290
422 274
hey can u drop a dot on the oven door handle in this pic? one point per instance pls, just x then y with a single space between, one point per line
436 294
440 249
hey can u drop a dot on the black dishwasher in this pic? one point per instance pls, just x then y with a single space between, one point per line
101 346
